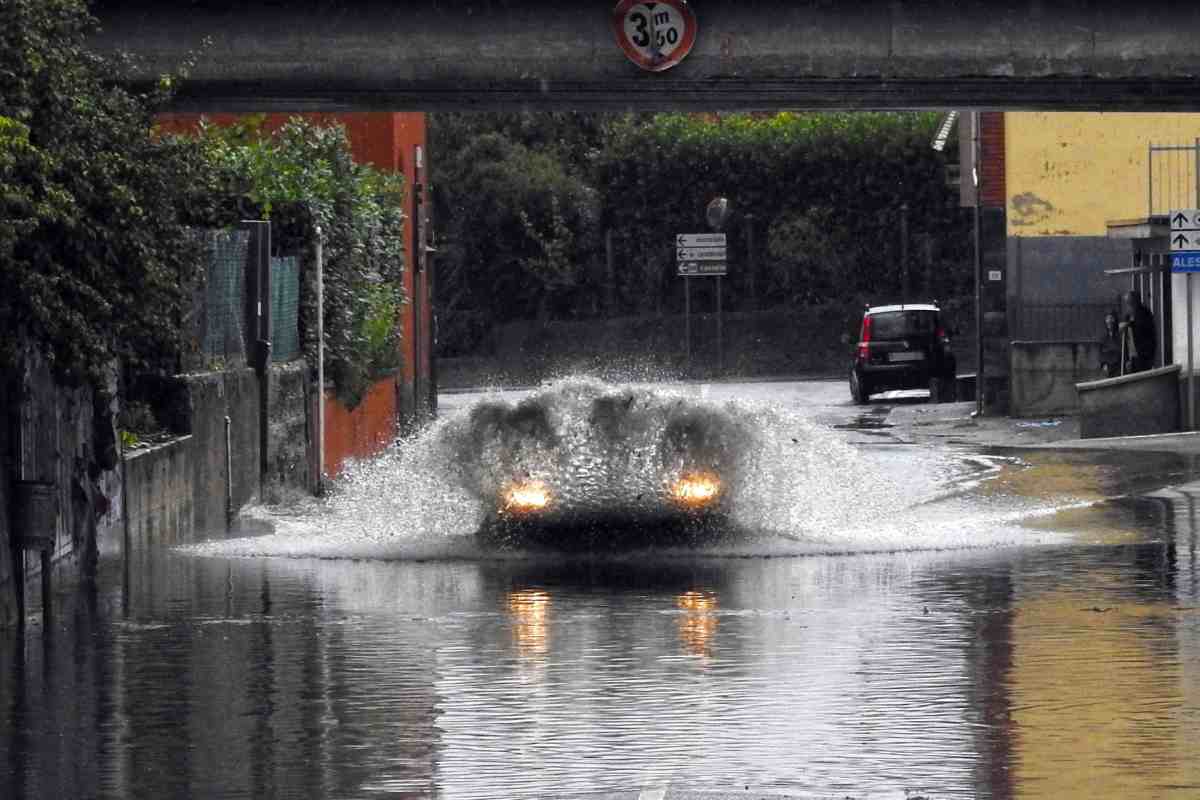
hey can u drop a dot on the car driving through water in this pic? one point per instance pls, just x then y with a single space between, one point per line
599 467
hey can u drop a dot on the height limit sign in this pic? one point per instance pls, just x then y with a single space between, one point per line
655 36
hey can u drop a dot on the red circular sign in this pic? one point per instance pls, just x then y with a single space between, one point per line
654 35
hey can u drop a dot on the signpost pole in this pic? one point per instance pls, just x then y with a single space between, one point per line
1191 381
610 273
687 321
904 252
720 332
1184 227
751 263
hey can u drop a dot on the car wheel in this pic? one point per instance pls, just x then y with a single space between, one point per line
860 390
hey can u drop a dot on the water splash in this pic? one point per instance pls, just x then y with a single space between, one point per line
791 486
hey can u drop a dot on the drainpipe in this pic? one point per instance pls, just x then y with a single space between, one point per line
228 472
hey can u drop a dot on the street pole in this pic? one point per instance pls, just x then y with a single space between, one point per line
975 177
609 259
751 263
904 252
320 426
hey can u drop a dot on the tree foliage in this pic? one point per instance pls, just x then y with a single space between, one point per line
519 225
821 194
824 191
93 252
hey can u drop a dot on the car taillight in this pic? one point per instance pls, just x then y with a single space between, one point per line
864 340
941 336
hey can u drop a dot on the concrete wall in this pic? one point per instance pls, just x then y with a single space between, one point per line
1044 375
159 496
289 456
212 397
1131 405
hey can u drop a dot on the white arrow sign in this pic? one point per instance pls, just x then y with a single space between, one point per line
700 254
1185 229
700 240
1184 218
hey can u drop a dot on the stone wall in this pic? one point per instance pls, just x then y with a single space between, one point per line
1138 404
159 498
289 456
212 397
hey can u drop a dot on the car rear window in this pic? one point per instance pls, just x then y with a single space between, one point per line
898 324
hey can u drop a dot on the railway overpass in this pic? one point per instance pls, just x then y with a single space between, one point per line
342 55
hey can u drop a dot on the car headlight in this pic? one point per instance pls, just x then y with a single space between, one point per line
696 490
524 498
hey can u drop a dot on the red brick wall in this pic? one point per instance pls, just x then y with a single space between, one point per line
991 146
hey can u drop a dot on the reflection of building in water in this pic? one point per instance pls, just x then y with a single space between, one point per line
698 623
529 612
1104 683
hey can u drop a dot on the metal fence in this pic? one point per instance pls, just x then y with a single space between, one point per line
1173 177
219 311
285 308
219 303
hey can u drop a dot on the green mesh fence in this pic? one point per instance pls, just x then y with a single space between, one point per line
285 308
221 302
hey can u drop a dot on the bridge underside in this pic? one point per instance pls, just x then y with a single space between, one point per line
749 54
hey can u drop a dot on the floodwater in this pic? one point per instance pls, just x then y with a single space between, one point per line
882 622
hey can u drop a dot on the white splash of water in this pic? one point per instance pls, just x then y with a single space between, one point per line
792 486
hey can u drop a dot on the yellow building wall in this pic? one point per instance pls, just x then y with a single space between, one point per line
1066 174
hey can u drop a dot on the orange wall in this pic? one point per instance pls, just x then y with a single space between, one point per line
364 431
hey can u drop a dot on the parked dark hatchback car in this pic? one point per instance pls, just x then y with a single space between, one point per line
903 347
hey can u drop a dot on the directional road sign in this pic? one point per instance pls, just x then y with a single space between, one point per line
700 240
700 253
1185 239
655 36
693 269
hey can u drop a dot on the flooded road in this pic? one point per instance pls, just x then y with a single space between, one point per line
933 621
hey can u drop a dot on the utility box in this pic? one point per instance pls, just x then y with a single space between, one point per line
35 515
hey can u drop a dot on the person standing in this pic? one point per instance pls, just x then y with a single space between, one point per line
1138 334
1110 347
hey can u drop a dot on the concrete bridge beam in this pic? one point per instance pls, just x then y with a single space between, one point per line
440 54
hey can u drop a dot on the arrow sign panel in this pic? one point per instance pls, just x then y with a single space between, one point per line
1185 239
700 254
1185 229
702 268
700 240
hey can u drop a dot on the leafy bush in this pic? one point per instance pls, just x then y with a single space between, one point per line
302 177
93 250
